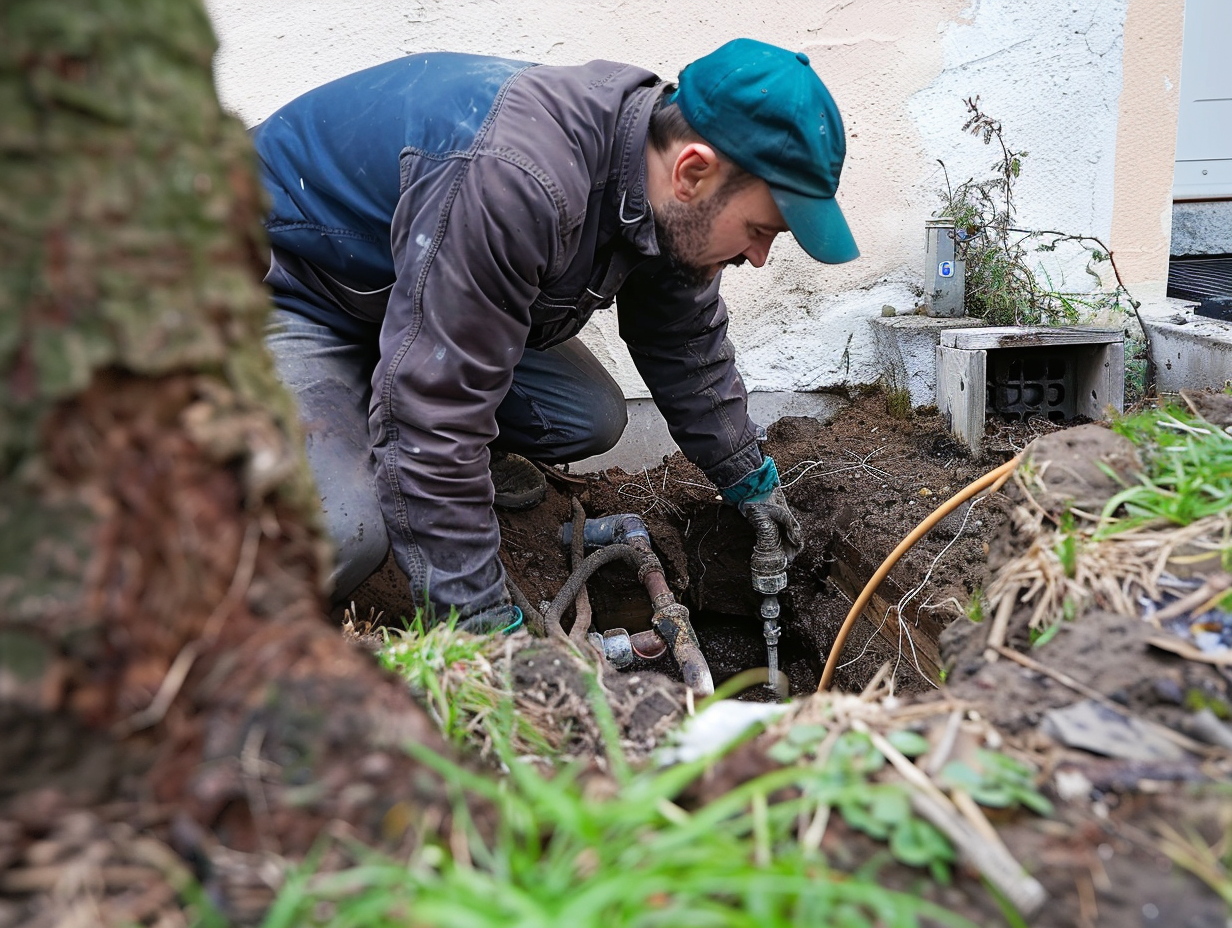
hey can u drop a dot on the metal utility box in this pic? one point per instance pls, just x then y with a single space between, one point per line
944 271
1023 371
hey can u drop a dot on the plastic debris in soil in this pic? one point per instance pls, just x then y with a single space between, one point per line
1208 630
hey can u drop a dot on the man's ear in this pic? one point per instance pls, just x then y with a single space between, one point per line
695 171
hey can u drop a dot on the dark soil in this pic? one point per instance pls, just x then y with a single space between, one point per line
858 485
863 481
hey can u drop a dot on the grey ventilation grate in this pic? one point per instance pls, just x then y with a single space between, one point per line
1031 382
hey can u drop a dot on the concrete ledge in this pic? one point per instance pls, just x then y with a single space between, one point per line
907 352
1190 352
646 440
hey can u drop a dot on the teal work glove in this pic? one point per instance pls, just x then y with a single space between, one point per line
505 617
759 497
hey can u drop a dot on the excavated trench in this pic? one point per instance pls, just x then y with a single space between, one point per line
858 485
724 613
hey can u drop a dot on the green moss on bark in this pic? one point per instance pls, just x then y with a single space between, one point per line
132 235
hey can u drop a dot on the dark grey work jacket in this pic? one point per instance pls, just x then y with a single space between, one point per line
473 207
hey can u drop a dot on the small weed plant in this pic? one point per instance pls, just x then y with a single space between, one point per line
1001 285
997 781
1187 474
976 609
880 810
1211 863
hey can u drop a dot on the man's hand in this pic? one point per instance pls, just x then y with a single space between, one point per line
759 497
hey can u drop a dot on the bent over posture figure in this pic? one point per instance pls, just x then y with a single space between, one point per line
444 224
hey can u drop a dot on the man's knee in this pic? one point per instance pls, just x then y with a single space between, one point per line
563 406
609 418
593 426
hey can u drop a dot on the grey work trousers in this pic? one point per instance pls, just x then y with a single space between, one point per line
562 406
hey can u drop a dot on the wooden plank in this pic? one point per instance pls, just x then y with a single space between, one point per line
1015 336
961 393
1099 381
850 573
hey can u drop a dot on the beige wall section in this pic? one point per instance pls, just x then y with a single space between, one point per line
1146 143
874 57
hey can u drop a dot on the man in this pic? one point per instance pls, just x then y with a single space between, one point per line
444 224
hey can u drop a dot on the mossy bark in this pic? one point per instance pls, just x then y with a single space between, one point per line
160 558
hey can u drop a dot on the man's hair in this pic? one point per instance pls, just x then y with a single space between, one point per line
668 127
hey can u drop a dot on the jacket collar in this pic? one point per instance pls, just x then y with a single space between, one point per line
627 182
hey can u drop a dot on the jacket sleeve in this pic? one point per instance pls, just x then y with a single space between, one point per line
677 337
471 243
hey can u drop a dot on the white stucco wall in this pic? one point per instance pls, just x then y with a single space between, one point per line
1051 70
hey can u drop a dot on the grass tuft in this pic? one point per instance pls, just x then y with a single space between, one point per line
1187 474
1178 509
561 857
453 675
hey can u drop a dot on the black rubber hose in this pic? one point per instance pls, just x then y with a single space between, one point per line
539 623
568 592
532 616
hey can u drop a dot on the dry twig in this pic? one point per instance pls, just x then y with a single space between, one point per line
581 605
1111 572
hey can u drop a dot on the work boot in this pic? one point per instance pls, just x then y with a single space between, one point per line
518 483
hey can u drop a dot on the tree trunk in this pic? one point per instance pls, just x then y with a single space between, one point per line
163 654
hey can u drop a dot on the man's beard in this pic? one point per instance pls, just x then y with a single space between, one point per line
683 231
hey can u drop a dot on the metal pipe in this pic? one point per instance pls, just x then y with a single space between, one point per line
770 629
670 618
615 529
768 563
648 644
619 647
768 566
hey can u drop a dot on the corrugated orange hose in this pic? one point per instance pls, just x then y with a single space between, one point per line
992 481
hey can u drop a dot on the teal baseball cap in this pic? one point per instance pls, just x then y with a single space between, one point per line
765 108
